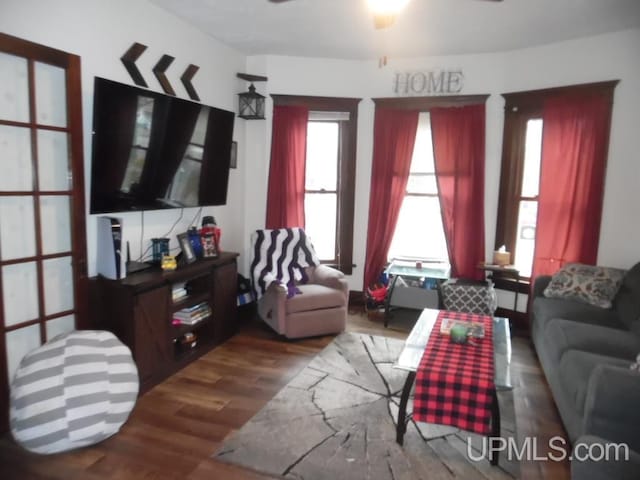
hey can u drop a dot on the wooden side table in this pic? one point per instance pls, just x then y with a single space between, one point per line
506 271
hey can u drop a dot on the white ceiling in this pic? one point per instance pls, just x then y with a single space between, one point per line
344 28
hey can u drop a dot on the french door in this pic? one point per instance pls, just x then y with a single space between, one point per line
43 279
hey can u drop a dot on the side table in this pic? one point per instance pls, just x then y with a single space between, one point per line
403 292
506 271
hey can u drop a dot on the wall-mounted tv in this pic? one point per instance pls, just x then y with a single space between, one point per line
153 151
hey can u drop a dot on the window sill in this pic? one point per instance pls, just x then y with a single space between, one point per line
346 269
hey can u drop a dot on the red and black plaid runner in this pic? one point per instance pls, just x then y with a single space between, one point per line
454 383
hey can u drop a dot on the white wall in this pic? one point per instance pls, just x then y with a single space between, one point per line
100 32
606 57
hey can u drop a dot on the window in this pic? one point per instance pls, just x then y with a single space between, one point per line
423 238
329 175
528 201
321 186
520 174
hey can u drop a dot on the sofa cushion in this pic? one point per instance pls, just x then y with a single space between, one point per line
586 283
575 369
631 279
562 335
546 309
627 301
315 297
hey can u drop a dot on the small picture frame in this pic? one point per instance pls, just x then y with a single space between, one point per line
233 162
187 250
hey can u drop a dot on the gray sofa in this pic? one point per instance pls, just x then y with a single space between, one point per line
597 468
585 353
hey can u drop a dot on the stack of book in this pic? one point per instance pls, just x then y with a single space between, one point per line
192 315
178 292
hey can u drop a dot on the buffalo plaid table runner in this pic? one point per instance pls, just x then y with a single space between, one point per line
455 383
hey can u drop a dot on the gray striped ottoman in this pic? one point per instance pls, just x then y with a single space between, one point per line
75 390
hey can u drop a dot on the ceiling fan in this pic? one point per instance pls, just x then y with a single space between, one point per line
384 11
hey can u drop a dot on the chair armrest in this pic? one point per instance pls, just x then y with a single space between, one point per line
611 405
621 468
539 284
271 306
329 277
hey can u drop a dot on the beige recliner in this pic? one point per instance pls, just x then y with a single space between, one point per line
313 304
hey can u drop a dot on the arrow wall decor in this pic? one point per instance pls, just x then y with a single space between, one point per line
137 49
186 77
129 61
161 67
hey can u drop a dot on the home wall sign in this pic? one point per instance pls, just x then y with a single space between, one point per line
431 82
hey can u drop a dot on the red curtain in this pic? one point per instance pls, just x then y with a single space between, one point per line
574 151
394 134
459 149
285 195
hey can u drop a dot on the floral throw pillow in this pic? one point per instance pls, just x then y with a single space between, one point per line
586 283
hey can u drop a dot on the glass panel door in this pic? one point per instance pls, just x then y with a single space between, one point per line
42 234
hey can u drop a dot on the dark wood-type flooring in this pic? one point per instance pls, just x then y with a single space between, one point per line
177 426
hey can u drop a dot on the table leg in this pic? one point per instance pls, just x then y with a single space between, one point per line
401 428
495 427
387 300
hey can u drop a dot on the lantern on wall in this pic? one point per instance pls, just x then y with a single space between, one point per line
251 103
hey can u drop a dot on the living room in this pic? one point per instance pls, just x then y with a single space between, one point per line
101 32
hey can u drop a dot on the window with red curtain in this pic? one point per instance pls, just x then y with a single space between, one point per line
285 194
301 187
575 142
396 121
394 134
566 116
459 147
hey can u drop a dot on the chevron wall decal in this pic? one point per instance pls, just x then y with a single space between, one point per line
129 61
159 69
137 49
186 78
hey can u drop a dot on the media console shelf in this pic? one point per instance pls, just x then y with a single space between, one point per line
168 319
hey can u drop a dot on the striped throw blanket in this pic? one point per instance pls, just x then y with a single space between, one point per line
280 255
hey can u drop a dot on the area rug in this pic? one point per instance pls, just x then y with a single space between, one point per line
336 419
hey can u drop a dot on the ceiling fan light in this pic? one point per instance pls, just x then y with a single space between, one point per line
383 20
387 7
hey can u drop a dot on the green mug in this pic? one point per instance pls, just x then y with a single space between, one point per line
459 334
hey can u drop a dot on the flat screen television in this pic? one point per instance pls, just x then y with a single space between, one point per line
153 151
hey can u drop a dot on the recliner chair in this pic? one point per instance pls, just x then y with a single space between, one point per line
297 296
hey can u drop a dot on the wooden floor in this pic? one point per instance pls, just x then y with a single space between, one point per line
176 426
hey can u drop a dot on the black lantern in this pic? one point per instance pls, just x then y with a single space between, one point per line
251 103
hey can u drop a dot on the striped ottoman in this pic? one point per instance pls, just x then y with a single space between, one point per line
75 390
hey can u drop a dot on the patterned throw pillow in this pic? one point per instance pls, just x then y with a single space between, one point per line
585 283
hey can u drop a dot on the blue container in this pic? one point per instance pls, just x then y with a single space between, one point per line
160 247
194 240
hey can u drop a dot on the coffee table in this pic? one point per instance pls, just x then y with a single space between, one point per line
411 355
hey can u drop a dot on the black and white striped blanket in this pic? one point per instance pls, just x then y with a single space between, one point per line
280 255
